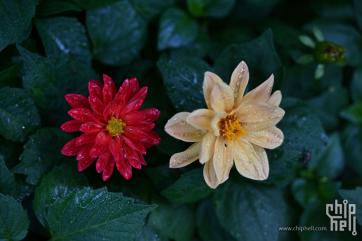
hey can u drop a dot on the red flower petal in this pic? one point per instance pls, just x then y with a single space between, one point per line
146 145
139 135
141 159
102 143
108 170
115 146
90 128
125 168
102 160
85 139
85 163
134 144
97 105
109 90
155 136
132 157
144 115
84 153
145 126
110 110
133 87
124 91
71 149
82 114
71 126
77 101
95 89
136 102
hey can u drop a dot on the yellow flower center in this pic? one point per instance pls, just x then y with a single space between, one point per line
231 128
115 126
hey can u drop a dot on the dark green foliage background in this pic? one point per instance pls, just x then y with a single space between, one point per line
49 48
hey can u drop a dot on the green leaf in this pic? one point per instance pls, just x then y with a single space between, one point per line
340 33
249 210
304 190
356 85
259 55
330 162
48 80
151 8
162 176
15 17
210 8
8 76
117 33
176 29
328 190
10 151
315 215
318 34
175 222
9 185
299 81
354 197
200 48
13 218
307 41
93 4
46 8
96 215
353 113
18 115
328 105
352 144
208 226
147 233
183 80
265 3
41 153
358 12
303 133
191 187
64 37
333 9
57 184
319 71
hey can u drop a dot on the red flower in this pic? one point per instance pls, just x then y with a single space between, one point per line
114 129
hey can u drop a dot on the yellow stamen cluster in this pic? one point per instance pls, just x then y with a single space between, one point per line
231 128
115 126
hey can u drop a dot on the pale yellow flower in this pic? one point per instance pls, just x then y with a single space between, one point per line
234 128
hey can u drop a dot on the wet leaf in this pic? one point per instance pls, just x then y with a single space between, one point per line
97 215
13 218
61 181
15 17
42 153
176 29
18 115
183 78
191 187
116 44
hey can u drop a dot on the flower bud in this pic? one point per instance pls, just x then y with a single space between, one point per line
326 52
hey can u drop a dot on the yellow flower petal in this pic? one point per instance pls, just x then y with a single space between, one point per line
210 80
222 97
258 116
270 138
210 174
215 122
201 118
207 147
275 99
178 128
263 157
182 159
238 82
260 93
247 161
223 159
